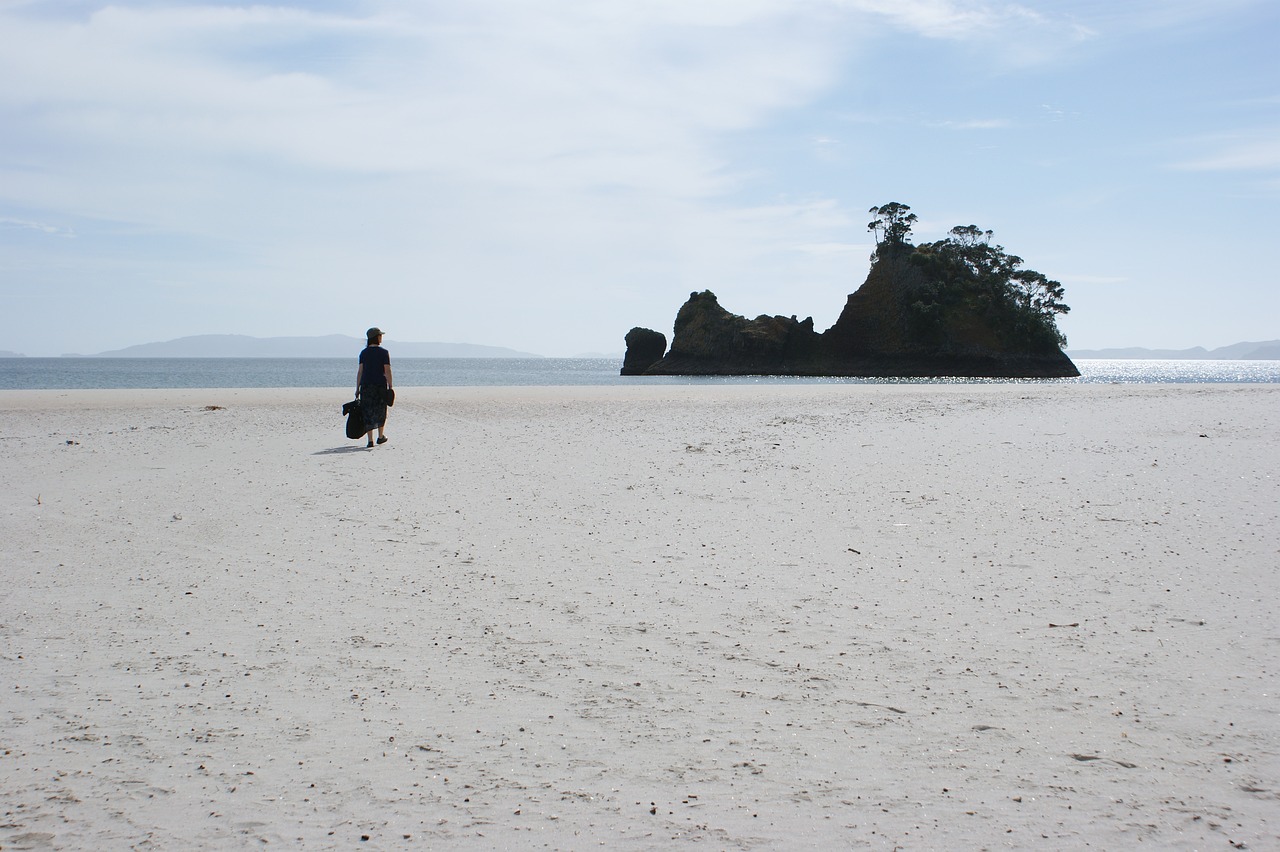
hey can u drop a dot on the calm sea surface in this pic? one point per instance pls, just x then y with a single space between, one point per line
82 373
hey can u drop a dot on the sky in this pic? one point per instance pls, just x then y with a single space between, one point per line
546 174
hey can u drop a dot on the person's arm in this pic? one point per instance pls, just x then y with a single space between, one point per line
386 371
359 376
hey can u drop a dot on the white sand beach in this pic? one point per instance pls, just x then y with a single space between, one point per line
764 617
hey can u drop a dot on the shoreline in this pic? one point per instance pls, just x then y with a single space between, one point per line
301 373
737 616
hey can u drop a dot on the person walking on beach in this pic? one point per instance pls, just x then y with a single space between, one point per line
373 385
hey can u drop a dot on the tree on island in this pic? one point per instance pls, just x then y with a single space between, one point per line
966 273
892 224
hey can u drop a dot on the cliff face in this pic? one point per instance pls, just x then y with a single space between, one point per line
711 341
877 319
894 325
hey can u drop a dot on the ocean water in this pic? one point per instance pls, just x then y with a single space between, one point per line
126 373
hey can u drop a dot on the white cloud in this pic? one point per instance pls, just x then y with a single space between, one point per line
497 92
943 18
30 225
492 89
1009 31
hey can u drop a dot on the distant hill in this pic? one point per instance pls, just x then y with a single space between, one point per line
5 353
1267 350
328 346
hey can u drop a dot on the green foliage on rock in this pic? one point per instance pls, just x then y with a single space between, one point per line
971 284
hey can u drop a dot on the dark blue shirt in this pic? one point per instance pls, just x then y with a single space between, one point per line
374 358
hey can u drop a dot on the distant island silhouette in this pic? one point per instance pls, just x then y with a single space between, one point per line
1265 350
960 306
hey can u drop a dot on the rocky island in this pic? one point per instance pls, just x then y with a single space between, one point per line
956 307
